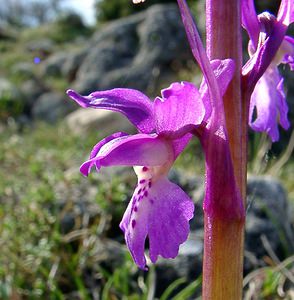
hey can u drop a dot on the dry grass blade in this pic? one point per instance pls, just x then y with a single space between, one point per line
274 170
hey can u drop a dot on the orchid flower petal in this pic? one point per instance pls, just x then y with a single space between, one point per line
269 100
160 210
86 167
286 12
250 21
180 105
131 103
132 150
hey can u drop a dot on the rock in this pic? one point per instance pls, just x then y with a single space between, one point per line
43 47
7 88
134 51
192 184
72 64
53 64
268 221
109 253
161 34
31 90
23 70
52 107
105 122
194 187
188 263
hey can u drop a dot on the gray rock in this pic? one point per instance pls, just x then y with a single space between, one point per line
52 106
43 46
72 64
162 38
63 64
23 70
268 223
31 90
134 51
194 187
188 263
105 122
53 64
7 89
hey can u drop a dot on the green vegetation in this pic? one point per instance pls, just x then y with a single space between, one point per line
45 253
40 255
64 29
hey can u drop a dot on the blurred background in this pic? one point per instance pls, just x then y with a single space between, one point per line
59 234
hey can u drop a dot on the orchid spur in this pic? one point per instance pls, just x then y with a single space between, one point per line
268 47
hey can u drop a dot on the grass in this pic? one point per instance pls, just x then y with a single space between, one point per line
40 256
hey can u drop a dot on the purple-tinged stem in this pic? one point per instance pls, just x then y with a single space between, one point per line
223 238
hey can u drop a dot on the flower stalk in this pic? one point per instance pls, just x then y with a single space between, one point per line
224 238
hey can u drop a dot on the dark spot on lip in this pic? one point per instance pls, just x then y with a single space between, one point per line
133 223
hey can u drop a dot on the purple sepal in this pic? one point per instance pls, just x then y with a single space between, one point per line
133 104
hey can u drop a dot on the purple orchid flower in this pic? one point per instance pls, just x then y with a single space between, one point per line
158 209
268 47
